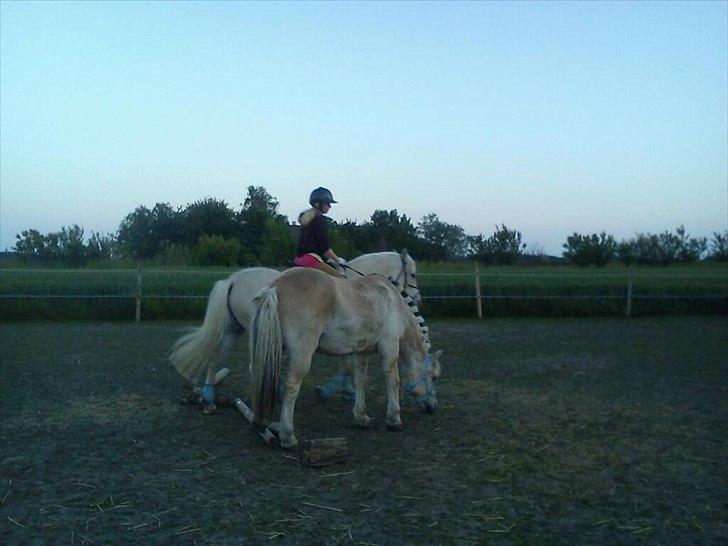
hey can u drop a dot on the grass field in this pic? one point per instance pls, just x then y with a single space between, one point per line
558 431
448 291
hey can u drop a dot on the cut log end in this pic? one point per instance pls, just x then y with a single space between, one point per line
324 451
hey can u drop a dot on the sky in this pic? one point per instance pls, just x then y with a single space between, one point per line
549 117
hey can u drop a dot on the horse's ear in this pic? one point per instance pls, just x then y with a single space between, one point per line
404 254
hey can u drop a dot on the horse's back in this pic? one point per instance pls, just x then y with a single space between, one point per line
345 315
303 290
378 262
245 284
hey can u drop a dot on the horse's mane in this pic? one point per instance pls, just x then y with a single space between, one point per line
419 321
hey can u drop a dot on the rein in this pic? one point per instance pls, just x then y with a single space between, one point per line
347 266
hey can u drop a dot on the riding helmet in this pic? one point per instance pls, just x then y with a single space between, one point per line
321 195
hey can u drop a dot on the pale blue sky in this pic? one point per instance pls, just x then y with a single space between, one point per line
548 117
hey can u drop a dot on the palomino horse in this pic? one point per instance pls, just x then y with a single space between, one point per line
304 311
230 310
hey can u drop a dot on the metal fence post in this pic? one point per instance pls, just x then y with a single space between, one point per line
628 309
139 296
478 302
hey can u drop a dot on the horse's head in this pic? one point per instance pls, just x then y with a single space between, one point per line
409 277
423 373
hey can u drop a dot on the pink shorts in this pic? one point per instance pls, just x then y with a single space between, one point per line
308 260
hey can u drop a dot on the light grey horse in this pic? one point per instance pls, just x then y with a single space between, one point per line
230 310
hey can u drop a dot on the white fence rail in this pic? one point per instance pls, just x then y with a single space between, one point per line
479 285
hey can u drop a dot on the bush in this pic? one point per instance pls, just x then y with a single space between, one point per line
216 250
662 249
719 247
594 249
175 256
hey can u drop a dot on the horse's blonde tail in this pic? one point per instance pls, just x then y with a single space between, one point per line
266 352
196 349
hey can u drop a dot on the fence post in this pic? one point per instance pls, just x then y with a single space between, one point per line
478 303
628 309
138 316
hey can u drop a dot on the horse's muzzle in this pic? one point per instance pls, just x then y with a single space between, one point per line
428 406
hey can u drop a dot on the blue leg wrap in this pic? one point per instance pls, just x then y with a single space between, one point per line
208 393
348 387
336 383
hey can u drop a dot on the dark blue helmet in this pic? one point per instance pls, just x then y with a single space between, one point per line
321 195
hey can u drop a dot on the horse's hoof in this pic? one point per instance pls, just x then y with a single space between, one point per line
209 409
394 428
290 444
364 424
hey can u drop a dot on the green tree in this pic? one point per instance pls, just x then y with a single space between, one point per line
72 249
446 241
342 243
257 209
64 246
207 216
145 232
347 239
719 247
100 247
387 230
277 246
31 245
504 246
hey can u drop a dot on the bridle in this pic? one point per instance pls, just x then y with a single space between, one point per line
403 272
423 378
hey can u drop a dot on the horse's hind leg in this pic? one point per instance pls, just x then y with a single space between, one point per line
298 367
225 347
361 419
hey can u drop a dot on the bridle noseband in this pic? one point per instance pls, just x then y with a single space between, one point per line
425 379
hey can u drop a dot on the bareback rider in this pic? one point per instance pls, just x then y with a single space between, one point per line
313 239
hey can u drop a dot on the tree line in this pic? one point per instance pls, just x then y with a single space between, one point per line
211 232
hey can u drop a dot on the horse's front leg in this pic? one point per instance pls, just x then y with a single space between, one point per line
297 370
359 364
391 374
207 392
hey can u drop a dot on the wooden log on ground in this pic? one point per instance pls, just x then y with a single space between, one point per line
324 451
268 436
219 376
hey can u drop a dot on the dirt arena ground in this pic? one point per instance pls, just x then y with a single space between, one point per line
549 431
